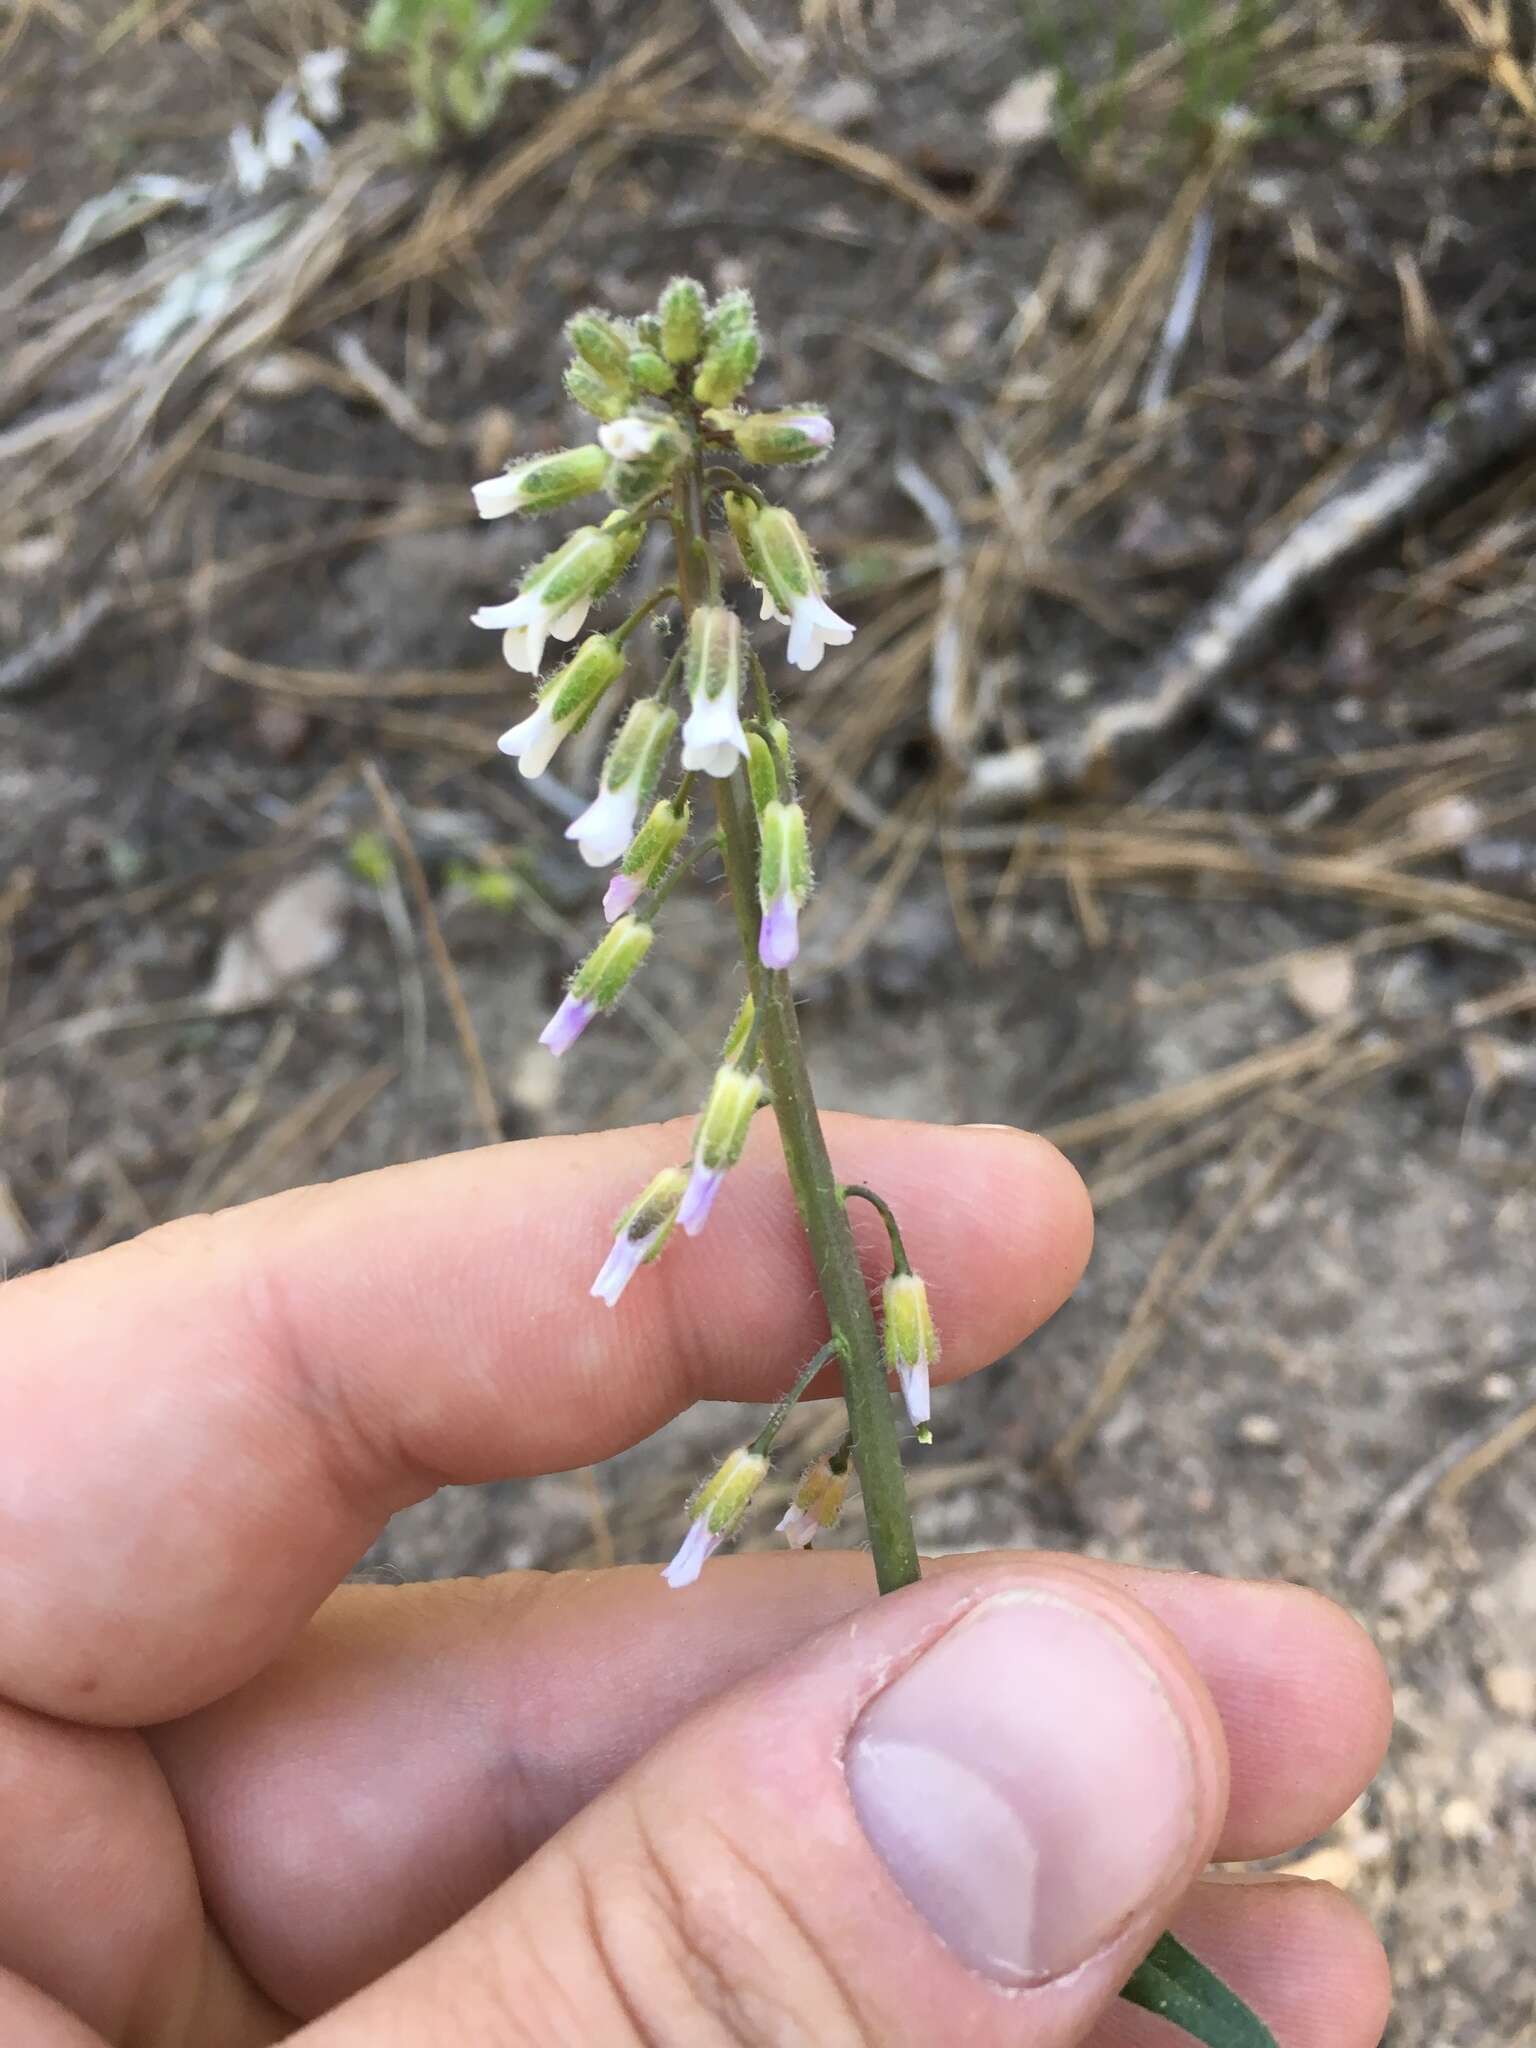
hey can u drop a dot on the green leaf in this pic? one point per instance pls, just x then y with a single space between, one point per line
1179 1988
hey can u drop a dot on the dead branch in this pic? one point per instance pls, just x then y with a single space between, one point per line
1414 472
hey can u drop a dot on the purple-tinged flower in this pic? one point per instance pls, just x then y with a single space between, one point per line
693 1553
778 935
703 1186
567 1024
640 1235
714 1513
622 894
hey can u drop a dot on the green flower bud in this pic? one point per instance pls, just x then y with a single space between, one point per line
778 734
740 1032
728 368
762 772
573 692
607 970
741 517
586 389
682 320
602 345
791 435
626 536
631 483
733 314
579 569
722 1129
911 1345
648 332
713 655
542 482
651 371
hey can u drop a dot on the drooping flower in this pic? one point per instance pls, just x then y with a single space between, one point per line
541 482
606 827
713 738
911 1345
715 1512
793 588
640 1235
598 983
650 854
718 1140
564 704
554 597
818 1501
783 882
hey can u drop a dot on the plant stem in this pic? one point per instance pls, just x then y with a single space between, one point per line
872 1425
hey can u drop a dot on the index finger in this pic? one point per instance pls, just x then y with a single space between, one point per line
202 1431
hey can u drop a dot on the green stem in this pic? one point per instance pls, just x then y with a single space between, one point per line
899 1260
767 1436
872 1425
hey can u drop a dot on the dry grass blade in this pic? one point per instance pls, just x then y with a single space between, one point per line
1413 473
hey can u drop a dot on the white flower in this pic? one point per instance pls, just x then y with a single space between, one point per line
285 132
694 1552
498 495
603 831
319 82
630 439
248 161
813 625
533 741
713 740
526 623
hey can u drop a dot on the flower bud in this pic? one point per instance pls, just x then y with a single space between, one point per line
541 483
718 1139
715 1512
728 368
564 704
762 772
650 854
606 827
713 739
818 1501
602 345
737 1037
598 982
585 388
783 882
911 1345
682 320
640 1235
741 516
732 349
789 435
651 371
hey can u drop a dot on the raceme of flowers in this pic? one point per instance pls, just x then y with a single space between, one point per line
673 445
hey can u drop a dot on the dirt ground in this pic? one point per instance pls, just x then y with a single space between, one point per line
1269 980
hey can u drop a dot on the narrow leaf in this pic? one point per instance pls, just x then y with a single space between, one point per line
1178 1987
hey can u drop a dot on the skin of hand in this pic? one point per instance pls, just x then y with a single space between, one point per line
240 1805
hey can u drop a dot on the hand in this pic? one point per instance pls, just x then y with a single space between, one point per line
584 1809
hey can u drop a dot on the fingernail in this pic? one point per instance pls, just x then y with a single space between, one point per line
1014 1128
1027 1783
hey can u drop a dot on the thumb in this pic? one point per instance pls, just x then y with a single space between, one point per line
963 1814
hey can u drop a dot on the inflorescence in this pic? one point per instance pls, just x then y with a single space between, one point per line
665 389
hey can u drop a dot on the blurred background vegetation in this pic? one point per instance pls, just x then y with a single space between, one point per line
1175 796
